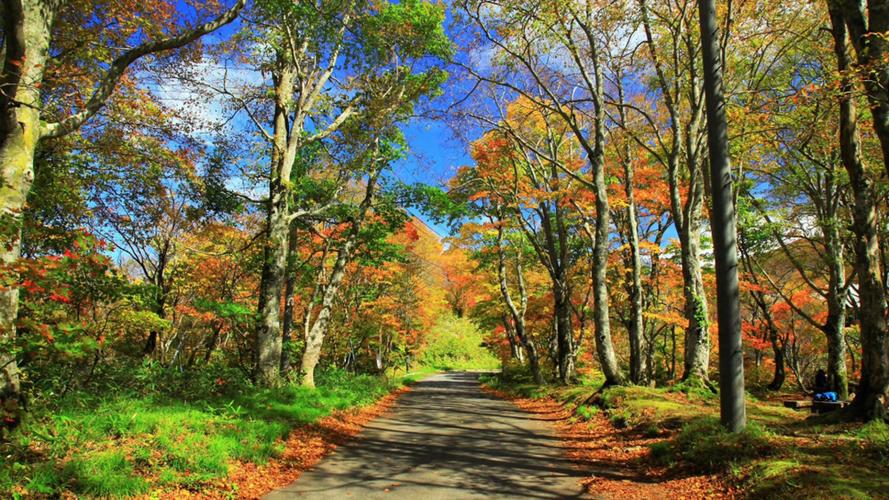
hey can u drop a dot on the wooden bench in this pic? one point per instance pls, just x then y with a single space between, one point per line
826 406
798 404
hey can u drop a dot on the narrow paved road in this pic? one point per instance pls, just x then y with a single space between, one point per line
445 439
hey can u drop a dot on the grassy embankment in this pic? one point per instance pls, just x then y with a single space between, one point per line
457 344
784 453
180 434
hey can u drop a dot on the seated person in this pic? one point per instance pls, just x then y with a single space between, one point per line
822 387
821 384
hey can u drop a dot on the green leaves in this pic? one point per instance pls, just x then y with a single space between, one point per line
412 29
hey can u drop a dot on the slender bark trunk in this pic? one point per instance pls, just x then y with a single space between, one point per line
722 223
640 350
517 313
837 292
287 323
315 337
871 398
601 314
318 330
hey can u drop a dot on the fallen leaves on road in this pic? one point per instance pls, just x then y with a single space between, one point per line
618 460
305 447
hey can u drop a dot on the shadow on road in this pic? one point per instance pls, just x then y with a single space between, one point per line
446 439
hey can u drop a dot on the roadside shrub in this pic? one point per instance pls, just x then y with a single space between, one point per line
586 412
457 344
705 445
875 437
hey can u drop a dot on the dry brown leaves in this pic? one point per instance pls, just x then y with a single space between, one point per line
618 460
304 448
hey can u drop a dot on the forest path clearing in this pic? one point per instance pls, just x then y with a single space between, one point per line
446 439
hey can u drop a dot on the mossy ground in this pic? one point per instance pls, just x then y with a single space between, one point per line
128 445
783 454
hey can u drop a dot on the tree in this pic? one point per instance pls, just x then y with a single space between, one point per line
871 398
722 224
682 155
28 36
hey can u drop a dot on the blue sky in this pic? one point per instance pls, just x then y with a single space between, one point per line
435 154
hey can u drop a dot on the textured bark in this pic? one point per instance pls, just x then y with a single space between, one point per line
287 323
601 314
685 141
733 412
867 32
267 340
640 350
517 313
564 333
837 292
780 374
871 398
27 31
319 327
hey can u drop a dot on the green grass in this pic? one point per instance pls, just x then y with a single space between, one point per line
457 344
782 454
126 445
705 445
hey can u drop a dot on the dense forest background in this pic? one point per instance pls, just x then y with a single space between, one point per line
206 239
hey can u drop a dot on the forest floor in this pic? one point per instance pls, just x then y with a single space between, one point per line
229 441
669 444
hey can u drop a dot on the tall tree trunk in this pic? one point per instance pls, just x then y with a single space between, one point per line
686 217
601 314
837 294
267 341
866 30
871 398
640 350
733 412
26 28
318 331
837 375
517 313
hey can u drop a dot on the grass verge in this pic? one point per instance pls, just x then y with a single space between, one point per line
132 444
782 454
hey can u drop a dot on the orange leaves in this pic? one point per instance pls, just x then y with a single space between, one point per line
304 447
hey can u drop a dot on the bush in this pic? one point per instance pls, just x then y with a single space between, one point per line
586 412
704 444
457 344
875 437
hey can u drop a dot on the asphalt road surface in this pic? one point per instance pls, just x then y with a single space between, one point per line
445 439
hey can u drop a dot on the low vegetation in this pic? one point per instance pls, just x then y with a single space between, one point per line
458 344
127 443
783 453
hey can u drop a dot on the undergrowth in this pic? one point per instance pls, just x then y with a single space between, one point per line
707 446
131 442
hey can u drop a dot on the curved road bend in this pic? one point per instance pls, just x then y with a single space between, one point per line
445 439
